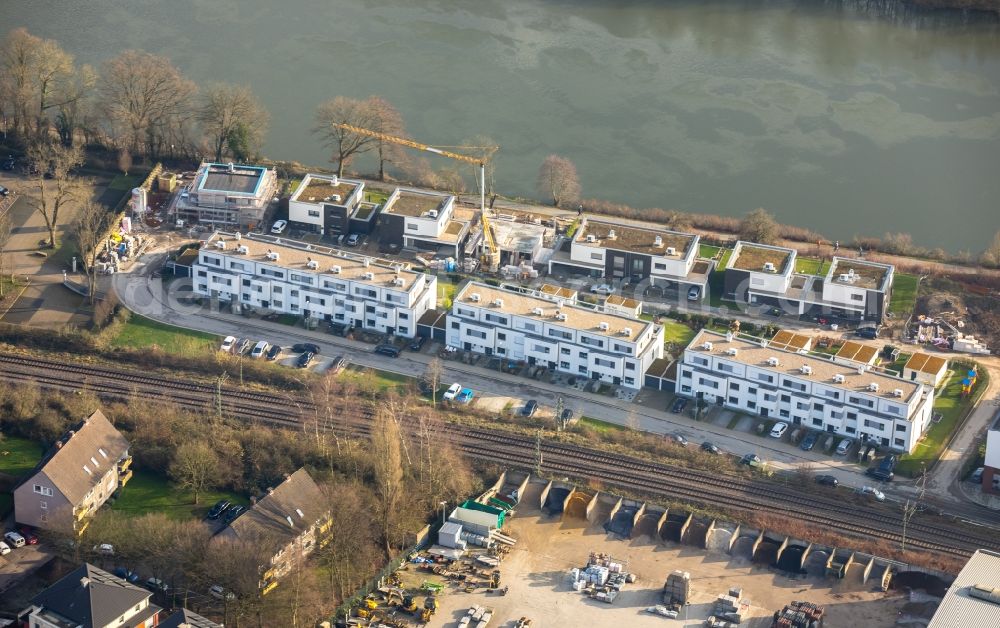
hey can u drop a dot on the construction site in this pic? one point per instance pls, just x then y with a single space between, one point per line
536 552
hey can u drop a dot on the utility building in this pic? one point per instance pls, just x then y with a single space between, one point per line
274 274
810 390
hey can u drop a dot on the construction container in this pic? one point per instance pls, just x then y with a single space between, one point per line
450 535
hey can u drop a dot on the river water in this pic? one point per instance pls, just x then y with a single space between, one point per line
841 122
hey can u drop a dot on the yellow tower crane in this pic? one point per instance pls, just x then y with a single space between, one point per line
491 253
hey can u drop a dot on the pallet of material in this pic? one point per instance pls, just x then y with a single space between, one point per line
799 615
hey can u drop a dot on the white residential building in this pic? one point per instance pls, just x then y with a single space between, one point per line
544 329
418 219
273 274
804 389
331 206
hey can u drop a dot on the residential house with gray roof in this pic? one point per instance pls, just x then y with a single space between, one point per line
89 597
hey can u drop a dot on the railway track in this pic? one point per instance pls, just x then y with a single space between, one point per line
641 476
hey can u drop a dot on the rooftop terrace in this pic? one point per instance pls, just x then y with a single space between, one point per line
297 255
752 257
577 317
865 274
926 363
823 369
857 352
791 341
316 189
413 203
635 239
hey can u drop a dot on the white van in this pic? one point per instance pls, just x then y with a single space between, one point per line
259 350
14 539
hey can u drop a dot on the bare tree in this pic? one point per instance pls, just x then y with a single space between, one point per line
388 120
56 160
38 77
5 231
124 160
146 99
759 226
451 179
387 462
232 111
991 256
88 232
195 466
557 179
352 549
345 144
432 378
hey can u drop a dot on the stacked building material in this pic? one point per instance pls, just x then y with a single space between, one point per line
730 607
798 615
606 560
677 589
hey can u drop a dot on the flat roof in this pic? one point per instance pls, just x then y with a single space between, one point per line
632 238
958 609
577 317
520 237
232 178
751 352
660 367
558 291
857 352
296 255
315 188
864 274
926 363
415 203
752 257
791 341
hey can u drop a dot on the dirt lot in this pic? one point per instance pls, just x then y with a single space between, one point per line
537 574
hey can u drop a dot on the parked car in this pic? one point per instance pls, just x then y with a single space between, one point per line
227 344
126 574
603 289
710 448
156 585
4 549
529 408
827 480
242 345
29 535
452 391
305 360
388 350
219 593
354 239
885 469
751 460
679 439
105 549
465 396
679 404
259 350
279 226
302 347
273 352
977 476
870 331
844 446
338 364
220 507
233 513
873 492
566 416
779 429
418 343
809 441
694 293
14 539
4 191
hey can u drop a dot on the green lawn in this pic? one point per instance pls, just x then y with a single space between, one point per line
374 196
952 407
19 455
810 266
602 427
904 294
124 182
708 251
445 292
675 332
383 380
141 332
148 492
